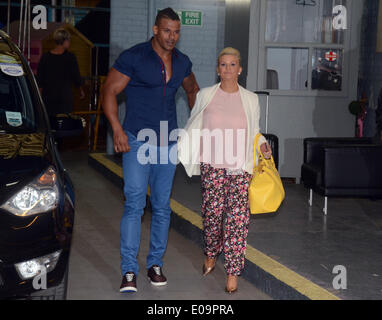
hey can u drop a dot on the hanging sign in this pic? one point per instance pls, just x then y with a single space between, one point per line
10 66
331 56
14 119
12 70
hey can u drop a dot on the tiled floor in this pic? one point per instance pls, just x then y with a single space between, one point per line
94 271
312 245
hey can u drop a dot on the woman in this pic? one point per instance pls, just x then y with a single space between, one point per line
227 118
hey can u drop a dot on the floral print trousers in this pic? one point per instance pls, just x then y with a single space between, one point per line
225 212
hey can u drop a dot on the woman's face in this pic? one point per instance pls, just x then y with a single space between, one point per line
229 67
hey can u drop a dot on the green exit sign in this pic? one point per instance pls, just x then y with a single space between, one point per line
189 17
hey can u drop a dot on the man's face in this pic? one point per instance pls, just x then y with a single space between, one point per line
66 44
167 33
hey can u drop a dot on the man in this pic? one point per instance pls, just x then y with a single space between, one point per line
57 72
150 73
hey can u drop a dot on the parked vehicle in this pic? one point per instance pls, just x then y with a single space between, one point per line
36 193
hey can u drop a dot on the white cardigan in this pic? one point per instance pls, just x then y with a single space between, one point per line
189 137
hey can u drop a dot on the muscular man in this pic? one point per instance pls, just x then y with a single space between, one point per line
150 73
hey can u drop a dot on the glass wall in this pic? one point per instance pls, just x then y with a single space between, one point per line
304 44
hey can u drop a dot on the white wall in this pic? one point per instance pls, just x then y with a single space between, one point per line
293 118
131 24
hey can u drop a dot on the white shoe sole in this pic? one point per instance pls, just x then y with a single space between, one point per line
157 284
128 289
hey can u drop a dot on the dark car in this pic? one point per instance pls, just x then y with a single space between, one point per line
36 193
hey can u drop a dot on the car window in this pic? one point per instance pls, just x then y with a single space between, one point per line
18 112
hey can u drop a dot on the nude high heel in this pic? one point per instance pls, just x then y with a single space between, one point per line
207 270
229 288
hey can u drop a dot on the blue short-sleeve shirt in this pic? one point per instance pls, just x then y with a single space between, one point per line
149 99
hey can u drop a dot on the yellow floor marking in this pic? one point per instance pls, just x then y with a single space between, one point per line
111 165
271 266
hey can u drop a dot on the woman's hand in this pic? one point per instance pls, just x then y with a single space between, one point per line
266 150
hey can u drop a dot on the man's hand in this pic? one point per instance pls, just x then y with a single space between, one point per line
82 93
114 84
266 150
121 141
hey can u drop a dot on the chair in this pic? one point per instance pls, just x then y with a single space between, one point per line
272 79
342 167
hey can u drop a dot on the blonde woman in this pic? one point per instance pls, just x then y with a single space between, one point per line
226 116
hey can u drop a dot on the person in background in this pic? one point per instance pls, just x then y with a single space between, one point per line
222 111
150 74
57 73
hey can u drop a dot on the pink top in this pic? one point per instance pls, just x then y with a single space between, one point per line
224 135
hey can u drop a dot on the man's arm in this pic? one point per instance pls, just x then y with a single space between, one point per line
114 84
191 87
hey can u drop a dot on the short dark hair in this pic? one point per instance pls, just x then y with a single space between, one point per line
167 13
60 35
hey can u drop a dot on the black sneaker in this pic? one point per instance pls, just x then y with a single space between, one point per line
129 283
156 276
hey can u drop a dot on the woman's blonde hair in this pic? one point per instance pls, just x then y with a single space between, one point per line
230 51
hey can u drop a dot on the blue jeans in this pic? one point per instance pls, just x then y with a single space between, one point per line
137 177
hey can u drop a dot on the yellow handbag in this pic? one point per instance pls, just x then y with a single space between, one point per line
266 191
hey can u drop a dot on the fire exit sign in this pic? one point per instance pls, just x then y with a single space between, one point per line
189 17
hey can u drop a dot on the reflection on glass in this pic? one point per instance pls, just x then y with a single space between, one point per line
13 145
291 21
287 68
327 69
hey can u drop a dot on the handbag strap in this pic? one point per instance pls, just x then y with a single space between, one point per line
256 146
